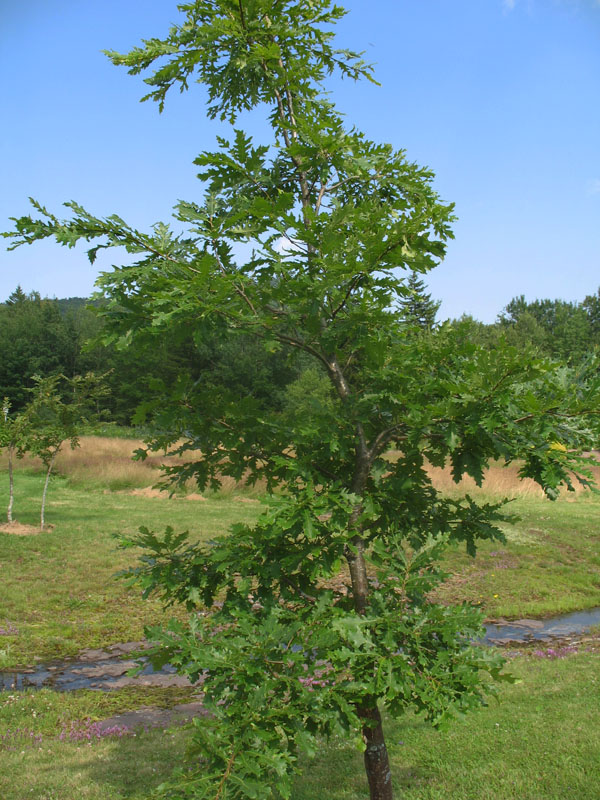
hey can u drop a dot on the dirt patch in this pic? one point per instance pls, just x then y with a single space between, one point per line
148 491
23 530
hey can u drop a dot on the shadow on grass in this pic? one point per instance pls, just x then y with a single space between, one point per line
337 772
128 768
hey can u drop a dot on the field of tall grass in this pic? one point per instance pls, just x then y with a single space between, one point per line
500 480
107 462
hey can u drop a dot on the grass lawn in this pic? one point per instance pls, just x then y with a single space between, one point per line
58 595
540 742
35 763
550 563
57 587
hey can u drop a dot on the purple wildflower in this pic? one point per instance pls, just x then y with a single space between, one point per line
18 738
558 652
88 731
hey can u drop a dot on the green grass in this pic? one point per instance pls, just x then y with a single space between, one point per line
549 565
57 588
46 711
105 769
540 742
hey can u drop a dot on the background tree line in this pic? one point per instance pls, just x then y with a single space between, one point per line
44 337
558 329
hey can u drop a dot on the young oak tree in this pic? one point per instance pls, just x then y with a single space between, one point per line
13 437
19 437
291 650
56 413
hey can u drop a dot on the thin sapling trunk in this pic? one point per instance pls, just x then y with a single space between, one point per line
49 470
11 487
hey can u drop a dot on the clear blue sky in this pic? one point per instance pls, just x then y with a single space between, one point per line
501 98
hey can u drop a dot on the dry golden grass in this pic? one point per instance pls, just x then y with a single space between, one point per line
108 462
102 460
499 480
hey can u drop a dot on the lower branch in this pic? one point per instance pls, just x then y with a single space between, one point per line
226 774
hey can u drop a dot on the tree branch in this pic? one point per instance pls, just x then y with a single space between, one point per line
226 774
242 15
349 291
238 289
382 440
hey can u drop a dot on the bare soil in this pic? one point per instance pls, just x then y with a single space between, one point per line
148 491
16 529
195 496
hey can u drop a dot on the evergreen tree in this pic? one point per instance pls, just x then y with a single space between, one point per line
417 309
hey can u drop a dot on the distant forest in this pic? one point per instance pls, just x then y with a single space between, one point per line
41 336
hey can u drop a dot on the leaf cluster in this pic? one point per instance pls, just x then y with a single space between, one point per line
282 669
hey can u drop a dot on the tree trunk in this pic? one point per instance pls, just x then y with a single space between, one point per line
377 763
11 484
50 465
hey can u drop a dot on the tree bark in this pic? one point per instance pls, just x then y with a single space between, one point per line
376 758
11 484
50 465
377 763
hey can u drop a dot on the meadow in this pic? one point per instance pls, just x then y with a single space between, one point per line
58 595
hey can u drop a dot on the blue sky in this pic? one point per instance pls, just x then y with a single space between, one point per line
501 98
